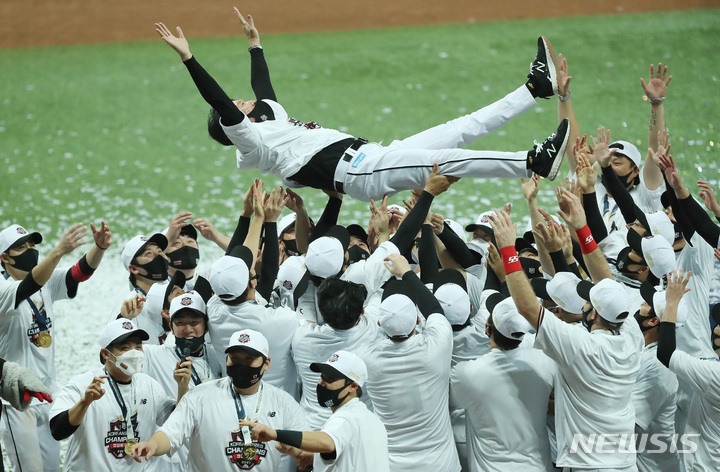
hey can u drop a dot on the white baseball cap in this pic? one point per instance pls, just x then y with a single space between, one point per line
609 300
293 275
15 235
628 150
660 302
397 209
250 340
188 301
118 330
137 243
659 255
482 222
155 300
326 256
508 321
450 289
285 223
229 275
398 315
346 364
659 224
562 289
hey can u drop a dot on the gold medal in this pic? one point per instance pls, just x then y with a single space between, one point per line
44 339
129 445
249 452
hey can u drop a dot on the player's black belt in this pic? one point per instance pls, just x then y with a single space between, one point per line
344 163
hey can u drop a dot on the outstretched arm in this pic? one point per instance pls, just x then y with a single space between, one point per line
655 90
213 94
565 109
259 72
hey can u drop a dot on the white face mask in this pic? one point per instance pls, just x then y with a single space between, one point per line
130 362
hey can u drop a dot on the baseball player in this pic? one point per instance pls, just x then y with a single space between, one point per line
506 427
597 368
306 154
353 438
410 369
215 416
703 376
103 426
28 291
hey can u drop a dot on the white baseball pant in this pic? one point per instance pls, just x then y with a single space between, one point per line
28 441
377 170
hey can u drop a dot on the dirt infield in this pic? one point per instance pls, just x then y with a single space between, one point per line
28 23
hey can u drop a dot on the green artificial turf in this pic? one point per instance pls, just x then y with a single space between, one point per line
117 132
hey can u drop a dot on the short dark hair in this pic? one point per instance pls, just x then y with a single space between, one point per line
340 302
236 301
215 128
502 342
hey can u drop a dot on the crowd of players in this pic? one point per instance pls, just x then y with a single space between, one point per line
397 345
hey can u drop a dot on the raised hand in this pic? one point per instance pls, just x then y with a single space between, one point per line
438 183
274 204
178 43
602 151
206 229
437 222
102 236
94 391
657 85
72 239
708 195
548 233
248 27
531 187
182 374
503 228
133 306
177 223
586 174
563 78
294 202
677 286
397 265
667 164
571 209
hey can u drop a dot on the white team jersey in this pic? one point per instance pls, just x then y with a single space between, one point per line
153 327
408 382
654 398
160 363
372 273
505 395
99 441
315 343
694 337
597 372
278 325
703 376
475 288
207 417
469 343
647 200
18 327
361 443
281 146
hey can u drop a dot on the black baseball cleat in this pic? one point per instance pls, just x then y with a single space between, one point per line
546 157
542 79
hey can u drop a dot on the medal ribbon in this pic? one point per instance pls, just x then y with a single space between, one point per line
129 425
40 315
194 376
240 409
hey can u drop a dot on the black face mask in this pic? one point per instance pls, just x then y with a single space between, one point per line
157 269
329 398
356 253
623 261
188 346
27 260
639 318
184 258
531 267
244 376
291 247
623 179
585 321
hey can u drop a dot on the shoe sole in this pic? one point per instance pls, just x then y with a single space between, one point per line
551 63
561 156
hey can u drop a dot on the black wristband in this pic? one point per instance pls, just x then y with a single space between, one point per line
102 248
291 438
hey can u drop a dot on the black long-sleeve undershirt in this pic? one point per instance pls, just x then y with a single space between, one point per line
328 219
701 221
213 94
239 235
621 195
425 300
427 255
26 289
270 261
260 76
404 238
686 226
666 342
458 249
594 218
60 426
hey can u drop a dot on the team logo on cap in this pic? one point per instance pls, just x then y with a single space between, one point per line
127 325
287 285
244 338
21 230
143 238
485 219
186 301
333 358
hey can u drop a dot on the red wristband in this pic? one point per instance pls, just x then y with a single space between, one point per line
510 258
586 240
77 273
